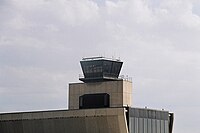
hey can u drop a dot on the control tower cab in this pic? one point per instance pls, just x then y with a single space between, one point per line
100 69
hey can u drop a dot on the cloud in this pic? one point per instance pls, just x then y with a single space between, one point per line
65 11
42 41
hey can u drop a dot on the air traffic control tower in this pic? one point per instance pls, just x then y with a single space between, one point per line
101 103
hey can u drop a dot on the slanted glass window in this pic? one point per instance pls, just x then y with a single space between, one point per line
99 69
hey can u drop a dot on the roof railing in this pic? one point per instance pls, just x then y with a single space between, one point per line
99 58
126 78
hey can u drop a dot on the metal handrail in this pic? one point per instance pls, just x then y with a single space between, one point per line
98 57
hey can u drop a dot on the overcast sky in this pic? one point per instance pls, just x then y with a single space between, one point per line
42 42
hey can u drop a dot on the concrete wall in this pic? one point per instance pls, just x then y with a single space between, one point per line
120 92
110 120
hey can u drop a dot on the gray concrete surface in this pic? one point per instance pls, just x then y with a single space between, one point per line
120 92
110 120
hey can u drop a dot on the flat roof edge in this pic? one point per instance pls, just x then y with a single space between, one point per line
61 114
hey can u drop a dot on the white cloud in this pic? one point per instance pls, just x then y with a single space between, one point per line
130 12
41 42
71 12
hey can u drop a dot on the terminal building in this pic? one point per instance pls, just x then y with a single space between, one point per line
101 103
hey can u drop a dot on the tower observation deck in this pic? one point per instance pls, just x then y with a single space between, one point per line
97 69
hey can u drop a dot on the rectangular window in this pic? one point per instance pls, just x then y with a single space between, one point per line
99 100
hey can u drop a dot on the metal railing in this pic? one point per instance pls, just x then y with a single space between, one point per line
99 57
124 77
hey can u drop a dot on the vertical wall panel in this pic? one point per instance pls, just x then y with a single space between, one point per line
107 127
18 127
145 125
4 127
132 124
149 126
158 126
166 127
38 126
141 125
153 126
136 125
26 126
59 124
1 128
162 126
